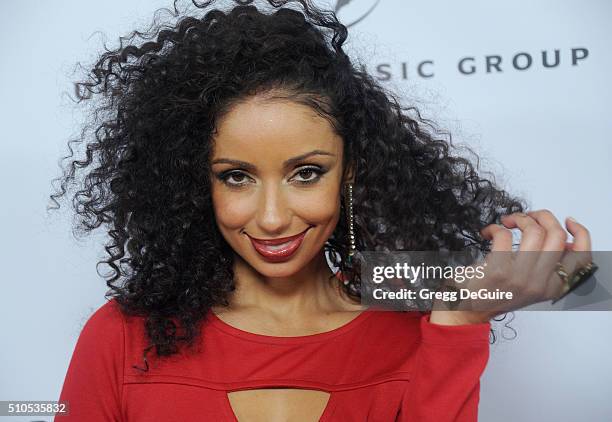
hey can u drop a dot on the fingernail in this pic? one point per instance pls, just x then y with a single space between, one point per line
572 219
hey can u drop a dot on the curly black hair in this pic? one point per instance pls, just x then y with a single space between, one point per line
157 98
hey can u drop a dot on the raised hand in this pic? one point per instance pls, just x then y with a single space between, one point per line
532 273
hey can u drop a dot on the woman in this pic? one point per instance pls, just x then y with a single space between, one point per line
235 153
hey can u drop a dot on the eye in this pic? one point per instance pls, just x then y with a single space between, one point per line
233 178
309 175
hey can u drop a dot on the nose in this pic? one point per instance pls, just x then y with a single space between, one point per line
273 214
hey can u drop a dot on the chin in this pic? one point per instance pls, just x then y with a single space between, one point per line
277 274
276 269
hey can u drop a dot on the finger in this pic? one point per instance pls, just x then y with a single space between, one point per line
501 237
571 261
533 234
553 249
556 285
578 253
525 269
532 238
499 261
581 250
556 235
582 237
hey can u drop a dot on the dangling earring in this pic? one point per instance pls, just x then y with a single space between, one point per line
351 230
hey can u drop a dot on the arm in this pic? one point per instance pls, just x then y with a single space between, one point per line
446 376
93 383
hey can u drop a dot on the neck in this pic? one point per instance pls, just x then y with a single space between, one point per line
307 292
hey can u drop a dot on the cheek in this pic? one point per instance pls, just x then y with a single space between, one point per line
231 211
321 207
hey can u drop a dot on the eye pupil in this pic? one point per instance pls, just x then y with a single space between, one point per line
233 178
237 177
306 175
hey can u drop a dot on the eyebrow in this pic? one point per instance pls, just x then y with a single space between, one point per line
287 163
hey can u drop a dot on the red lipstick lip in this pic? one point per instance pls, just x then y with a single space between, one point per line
262 246
278 240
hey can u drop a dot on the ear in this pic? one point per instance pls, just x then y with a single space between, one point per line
349 173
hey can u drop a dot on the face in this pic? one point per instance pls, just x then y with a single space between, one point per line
276 173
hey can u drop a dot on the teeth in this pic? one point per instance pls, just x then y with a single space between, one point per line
278 247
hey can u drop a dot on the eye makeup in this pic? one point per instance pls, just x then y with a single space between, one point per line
304 172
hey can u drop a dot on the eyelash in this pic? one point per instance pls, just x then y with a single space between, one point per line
224 177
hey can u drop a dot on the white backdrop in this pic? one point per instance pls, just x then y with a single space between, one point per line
543 131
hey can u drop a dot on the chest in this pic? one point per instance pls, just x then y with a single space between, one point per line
278 404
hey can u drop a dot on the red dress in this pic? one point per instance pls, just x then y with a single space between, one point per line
381 366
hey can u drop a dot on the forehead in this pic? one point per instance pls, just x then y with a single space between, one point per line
273 127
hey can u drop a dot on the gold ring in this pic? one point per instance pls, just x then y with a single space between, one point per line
577 278
563 274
